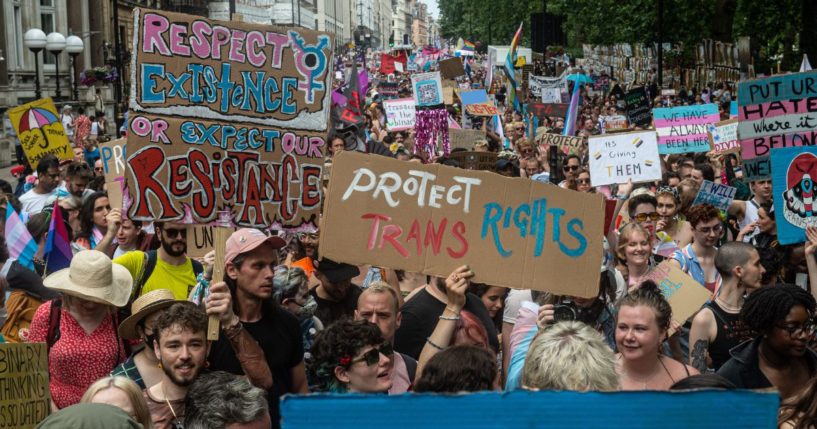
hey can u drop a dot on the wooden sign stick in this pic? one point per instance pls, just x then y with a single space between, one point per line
219 241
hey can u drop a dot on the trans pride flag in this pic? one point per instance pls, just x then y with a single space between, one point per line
58 246
510 60
21 244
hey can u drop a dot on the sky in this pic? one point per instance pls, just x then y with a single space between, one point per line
432 8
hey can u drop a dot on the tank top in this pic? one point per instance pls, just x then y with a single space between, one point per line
750 215
731 332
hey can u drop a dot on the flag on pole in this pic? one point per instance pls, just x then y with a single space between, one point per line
21 244
57 252
510 60
572 111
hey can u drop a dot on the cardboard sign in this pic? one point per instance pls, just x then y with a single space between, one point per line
615 123
432 218
114 158
776 112
201 239
462 138
683 129
668 92
638 107
794 170
700 409
617 158
569 144
475 160
684 294
720 196
400 114
542 110
551 95
482 109
723 136
759 168
473 97
428 89
26 398
40 131
451 68
220 126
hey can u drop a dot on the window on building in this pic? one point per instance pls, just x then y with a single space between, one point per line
48 24
18 36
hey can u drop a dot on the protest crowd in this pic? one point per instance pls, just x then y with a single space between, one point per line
660 263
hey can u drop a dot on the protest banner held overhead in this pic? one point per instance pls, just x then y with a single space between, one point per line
400 114
638 107
201 239
428 89
482 109
221 122
568 144
431 219
617 158
683 129
40 131
542 110
25 397
724 136
794 170
114 165
718 195
451 68
464 138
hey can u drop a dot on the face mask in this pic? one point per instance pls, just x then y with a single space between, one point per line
149 339
3 315
308 309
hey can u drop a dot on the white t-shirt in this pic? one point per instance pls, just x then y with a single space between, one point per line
68 124
33 203
513 302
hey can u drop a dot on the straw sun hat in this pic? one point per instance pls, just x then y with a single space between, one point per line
143 307
94 277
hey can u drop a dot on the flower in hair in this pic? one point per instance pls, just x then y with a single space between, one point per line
345 361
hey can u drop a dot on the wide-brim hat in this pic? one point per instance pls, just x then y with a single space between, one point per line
143 307
94 277
337 272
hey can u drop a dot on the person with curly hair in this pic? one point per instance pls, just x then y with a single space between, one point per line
460 369
779 357
698 258
800 411
351 356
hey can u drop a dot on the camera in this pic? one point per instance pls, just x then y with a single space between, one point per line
567 310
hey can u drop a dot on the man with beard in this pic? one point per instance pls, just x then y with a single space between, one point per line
250 260
165 268
336 295
181 348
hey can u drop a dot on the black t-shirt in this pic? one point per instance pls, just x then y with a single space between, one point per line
279 335
331 311
421 314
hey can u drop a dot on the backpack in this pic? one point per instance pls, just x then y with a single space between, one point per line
148 265
21 308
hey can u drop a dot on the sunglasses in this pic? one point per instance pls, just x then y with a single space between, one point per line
99 169
372 357
583 181
570 167
173 232
642 217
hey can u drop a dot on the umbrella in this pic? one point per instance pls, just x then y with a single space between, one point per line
37 117
580 78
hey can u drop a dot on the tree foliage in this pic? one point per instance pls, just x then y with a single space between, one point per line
775 26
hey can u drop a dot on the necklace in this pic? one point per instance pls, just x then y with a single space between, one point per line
176 423
645 380
727 307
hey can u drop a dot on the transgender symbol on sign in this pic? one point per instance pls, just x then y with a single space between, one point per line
799 201
310 60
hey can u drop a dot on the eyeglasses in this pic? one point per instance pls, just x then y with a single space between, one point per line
717 229
99 169
520 129
570 167
307 236
372 357
173 232
807 328
642 217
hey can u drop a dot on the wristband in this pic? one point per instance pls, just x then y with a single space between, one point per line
449 317
431 343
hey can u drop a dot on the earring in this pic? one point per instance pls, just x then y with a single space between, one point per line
159 365
207 364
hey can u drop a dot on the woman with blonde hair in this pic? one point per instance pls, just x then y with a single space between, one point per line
120 392
634 253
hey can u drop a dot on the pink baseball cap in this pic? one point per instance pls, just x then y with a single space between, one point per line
247 239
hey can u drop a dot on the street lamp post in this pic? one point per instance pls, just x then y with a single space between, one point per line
35 41
55 43
74 47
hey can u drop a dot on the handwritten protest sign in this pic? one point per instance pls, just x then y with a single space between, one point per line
482 109
388 89
615 123
201 239
684 294
462 138
400 114
569 144
475 160
25 398
724 136
232 117
40 131
683 129
759 168
551 95
114 159
451 68
794 170
715 194
542 110
428 89
617 158
433 218
638 107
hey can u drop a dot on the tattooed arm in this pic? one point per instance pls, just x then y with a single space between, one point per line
701 335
